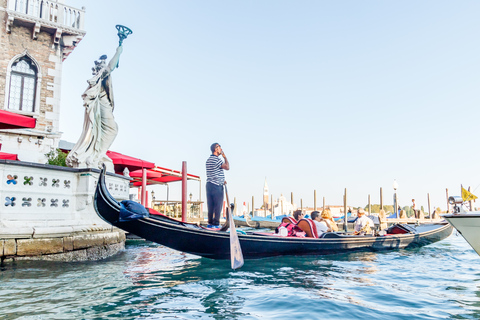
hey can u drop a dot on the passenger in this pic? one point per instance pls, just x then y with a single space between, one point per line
327 218
298 214
363 224
321 225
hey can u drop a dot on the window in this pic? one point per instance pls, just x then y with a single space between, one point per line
23 81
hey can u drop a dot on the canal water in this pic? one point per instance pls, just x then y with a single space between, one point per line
148 281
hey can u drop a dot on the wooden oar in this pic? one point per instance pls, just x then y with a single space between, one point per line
236 255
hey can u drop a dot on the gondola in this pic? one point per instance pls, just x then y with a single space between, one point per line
197 240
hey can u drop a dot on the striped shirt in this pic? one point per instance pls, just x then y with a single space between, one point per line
215 173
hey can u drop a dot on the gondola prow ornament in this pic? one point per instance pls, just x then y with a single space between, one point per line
99 126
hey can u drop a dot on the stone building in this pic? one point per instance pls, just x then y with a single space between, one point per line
46 212
36 36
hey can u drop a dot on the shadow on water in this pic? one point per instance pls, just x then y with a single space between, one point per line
147 281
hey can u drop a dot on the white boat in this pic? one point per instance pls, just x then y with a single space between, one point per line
467 223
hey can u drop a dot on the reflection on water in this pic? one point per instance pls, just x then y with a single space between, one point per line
148 281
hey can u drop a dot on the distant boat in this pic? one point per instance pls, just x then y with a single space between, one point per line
342 217
197 240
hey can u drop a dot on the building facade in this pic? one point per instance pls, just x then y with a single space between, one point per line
36 36
46 211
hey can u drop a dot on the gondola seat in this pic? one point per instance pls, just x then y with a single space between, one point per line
308 227
289 220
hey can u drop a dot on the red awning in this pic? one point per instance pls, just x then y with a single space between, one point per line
121 161
10 120
159 175
8 156
150 174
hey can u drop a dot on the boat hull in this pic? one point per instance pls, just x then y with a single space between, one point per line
191 238
468 225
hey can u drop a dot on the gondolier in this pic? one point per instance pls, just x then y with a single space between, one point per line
215 182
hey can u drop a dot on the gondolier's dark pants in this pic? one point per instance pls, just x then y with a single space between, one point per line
214 203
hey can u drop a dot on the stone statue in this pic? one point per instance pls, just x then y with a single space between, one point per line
99 126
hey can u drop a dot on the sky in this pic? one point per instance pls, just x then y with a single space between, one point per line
309 95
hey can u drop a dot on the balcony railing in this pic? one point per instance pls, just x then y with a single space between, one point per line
49 11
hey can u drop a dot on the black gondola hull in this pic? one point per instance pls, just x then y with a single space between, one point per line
199 241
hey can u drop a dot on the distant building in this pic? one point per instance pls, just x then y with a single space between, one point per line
266 205
282 206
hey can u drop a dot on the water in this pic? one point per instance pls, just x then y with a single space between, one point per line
147 281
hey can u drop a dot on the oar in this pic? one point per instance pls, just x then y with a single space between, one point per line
236 255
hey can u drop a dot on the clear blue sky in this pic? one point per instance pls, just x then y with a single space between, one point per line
312 95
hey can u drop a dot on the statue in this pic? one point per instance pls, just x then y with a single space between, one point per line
99 126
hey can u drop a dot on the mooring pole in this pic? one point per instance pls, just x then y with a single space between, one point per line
448 205
253 208
471 204
271 204
381 199
369 206
184 191
429 212
235 213
143 199
345 219
315 200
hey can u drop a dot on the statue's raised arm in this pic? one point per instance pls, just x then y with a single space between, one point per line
116 58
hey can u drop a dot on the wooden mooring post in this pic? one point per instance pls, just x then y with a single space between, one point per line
369 206
448 204
345 219
381 199
429 212
271 204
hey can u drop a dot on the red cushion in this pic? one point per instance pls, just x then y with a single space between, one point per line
309 227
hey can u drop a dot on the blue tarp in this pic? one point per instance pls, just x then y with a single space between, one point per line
131 210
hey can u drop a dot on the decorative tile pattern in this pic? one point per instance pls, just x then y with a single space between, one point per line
54 203
65 203
43 182
55 182
66 184
12 179
28 181
27 202
10 201
41 202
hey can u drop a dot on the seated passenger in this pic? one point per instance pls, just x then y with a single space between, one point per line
298 214
321 225
327 218
363 224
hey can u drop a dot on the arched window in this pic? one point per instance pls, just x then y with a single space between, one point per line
23 81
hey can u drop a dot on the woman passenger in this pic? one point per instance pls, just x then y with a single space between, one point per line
327 218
